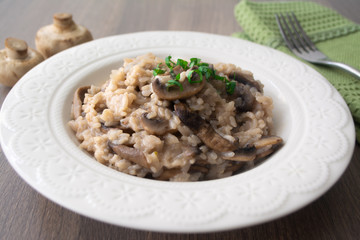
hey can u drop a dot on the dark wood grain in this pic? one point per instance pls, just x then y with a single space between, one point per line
25 214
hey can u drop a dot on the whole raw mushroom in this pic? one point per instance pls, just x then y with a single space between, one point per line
62 34
16 60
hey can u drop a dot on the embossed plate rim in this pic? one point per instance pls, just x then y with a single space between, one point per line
169 209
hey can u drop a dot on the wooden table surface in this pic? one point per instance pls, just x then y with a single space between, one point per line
25 214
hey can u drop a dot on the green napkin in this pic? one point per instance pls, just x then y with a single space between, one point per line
336 36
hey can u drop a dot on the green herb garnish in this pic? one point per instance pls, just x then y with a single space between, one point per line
190 73
230 86
173 82
158 70
169 63
194 61
203 70
182 63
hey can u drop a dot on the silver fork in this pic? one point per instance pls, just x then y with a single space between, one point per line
301 45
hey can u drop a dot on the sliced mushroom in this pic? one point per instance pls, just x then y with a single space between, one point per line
243 98
267 145
242 155
78 99
266 141
155 126
174 93
105 129
265 153
168 173
198 168
246 78
178 69
203 129
234 166
129 153
261 149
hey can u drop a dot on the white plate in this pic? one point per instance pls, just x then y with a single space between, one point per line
309 114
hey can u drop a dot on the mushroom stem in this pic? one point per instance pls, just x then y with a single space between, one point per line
63 21
16 48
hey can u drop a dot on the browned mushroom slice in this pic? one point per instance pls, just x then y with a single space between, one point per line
178 69
198 168
267 146
105 129
168 173
242 155
266 141
246 78
243 98
203 129
174 93
155 126
265 153
234 166
129 153
78 99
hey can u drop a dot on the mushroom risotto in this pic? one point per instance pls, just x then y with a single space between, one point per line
177 120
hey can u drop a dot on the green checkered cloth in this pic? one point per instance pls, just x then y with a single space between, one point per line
334 35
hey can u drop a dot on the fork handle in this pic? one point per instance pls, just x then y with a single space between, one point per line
343 66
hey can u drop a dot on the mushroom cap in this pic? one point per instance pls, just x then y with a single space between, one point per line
155 126
62 34
16 60
189 89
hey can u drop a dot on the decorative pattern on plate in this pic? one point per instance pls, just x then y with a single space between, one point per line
316 125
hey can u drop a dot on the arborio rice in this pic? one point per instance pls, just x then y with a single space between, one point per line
177 121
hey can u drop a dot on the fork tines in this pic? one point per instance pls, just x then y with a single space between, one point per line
293 34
